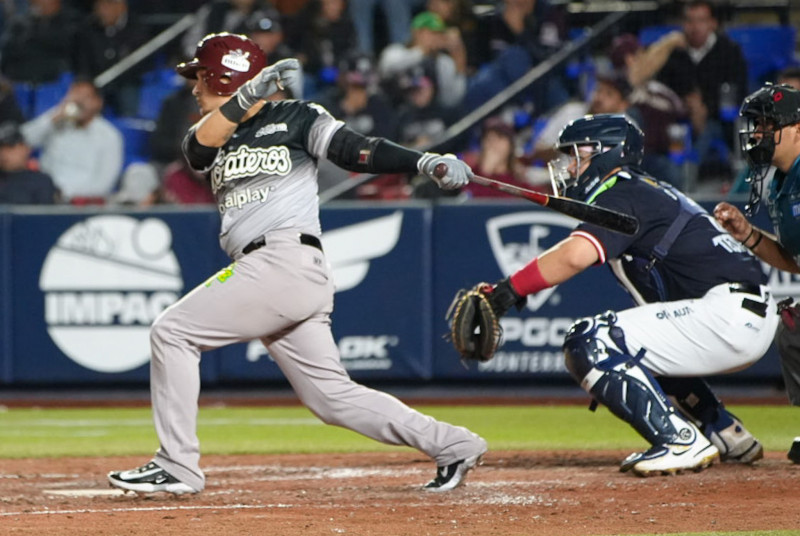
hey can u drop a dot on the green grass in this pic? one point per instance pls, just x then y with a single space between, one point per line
127 431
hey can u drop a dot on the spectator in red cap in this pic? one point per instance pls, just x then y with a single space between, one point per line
496 158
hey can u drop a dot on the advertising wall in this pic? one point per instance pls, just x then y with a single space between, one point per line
79 289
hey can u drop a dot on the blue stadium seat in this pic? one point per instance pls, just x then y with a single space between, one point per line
23 93
45 96
767 49
157 85
650 34
136 134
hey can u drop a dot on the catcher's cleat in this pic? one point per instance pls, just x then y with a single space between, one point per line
672 458
149 478
794 451
735 443
451 476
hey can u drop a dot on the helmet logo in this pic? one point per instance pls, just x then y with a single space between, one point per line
777 97
236 60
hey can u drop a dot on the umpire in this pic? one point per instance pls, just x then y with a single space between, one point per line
771 137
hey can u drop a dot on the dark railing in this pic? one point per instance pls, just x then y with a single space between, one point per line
569 51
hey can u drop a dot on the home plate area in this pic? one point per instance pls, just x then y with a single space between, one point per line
532 493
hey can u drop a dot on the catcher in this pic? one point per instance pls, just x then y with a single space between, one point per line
703 307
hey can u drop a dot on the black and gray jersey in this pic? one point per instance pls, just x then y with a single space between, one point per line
265 178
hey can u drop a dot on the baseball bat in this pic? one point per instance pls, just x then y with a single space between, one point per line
603 217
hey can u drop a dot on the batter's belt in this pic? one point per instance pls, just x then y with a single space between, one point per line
305 239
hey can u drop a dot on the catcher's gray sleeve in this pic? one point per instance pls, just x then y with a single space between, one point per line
788 343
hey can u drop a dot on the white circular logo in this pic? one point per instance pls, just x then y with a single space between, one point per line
105 280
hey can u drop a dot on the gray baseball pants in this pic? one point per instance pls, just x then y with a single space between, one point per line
282 294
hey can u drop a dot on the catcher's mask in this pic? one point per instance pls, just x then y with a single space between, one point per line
227 61
765 113
608 141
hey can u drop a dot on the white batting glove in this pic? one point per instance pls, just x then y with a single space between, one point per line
265 83
456 173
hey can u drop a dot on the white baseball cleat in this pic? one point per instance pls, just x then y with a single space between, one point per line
149 478
673 458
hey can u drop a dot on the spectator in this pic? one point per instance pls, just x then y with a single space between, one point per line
658 110
434 50
357 101
37 45
265 28
183 185
178 112
219 16
532 24
20 184
106 37
790 77
460 18
396 14
363 108
513 39
322 34
81 150
496 159
708 71
139 186
10 110
423 120
610 96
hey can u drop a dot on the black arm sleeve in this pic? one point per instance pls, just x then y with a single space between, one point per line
355 152
199 156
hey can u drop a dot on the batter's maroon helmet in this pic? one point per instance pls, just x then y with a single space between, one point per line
229 60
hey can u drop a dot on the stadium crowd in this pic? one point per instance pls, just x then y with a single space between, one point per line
406 70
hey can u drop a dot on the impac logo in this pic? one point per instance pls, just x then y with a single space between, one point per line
511 253
105 280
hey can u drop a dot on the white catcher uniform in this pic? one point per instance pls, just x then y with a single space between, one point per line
278 290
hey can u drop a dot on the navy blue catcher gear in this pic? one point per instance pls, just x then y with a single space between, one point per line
613 139
597 357
765 111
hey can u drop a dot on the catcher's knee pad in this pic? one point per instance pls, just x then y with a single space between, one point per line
597 357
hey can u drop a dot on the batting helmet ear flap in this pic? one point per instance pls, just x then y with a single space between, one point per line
227 60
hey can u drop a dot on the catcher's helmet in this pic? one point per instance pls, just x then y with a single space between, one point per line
229 60
765 112
609 140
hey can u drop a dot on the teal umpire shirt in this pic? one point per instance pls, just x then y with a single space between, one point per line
784 208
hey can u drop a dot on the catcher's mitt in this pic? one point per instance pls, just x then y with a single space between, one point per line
474 317
474 327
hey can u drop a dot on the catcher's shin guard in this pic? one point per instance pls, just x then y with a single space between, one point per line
597 358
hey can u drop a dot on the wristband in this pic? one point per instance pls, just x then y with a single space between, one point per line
529 279
232 111
757 242
752 230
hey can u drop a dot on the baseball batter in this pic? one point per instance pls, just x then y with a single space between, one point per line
703 306
261 158
772 138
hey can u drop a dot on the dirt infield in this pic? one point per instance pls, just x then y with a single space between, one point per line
520 493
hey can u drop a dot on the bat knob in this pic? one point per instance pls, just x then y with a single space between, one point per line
440 170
